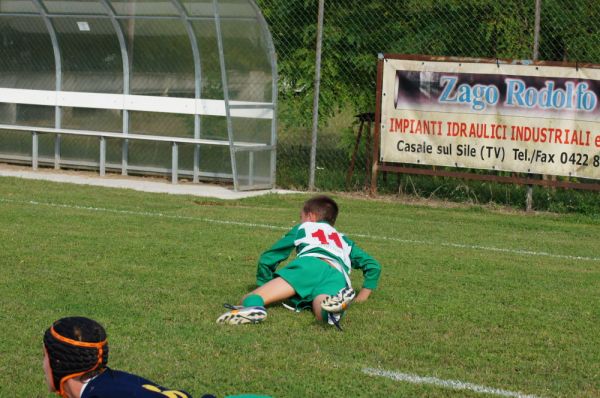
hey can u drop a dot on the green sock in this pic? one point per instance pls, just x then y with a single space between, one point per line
253 300
324 315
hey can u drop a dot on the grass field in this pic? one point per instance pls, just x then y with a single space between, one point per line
506 303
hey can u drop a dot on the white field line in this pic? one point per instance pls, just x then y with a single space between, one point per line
479 247
453 384
275 227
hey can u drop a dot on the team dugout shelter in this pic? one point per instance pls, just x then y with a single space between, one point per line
182 88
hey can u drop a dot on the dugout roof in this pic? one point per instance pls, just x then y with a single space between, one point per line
197 70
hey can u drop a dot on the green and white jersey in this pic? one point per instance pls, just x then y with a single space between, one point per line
319 239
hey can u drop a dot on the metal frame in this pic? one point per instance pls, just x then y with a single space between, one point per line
273 58
129 102
103 136
126 80
217 15
58 67
148 103
197 80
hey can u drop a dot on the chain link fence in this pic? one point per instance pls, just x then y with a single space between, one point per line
355 31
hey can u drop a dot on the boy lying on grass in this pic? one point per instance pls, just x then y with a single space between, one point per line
318 278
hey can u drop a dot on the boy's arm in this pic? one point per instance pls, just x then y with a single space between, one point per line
371 271
270 259
363 295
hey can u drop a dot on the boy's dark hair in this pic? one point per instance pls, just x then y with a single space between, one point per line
323 207
76 347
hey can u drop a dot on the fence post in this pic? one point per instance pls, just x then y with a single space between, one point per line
536 29
317 86
536 43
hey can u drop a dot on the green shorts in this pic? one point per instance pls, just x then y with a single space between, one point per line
310 276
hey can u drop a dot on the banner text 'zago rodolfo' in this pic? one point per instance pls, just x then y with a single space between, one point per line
540 119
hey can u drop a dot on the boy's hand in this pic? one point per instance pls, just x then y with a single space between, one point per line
363 295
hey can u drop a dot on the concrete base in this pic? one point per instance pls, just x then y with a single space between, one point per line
146 184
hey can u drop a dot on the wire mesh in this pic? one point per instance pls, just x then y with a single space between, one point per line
354 33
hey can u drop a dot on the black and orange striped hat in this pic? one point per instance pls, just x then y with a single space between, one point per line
75 346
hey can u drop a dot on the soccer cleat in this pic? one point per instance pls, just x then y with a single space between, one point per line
340 301
239 315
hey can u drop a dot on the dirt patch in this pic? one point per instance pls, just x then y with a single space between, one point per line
437 203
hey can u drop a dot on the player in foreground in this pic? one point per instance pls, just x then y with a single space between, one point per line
318 278
75 358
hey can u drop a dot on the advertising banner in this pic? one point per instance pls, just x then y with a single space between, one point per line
536 119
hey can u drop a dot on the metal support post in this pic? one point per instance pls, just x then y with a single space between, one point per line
57 151
102 156
251 168
34 150
196 172
174 163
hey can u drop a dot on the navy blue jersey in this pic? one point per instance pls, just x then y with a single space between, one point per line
117 384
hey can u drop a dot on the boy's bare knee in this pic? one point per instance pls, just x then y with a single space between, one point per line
316 306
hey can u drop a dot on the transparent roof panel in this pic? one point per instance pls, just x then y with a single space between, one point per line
8 6
91 7
144 8
210 68
251 130
95 71
226 9
165 124
27 59
236 8
248 67
202 8
162 63
91 119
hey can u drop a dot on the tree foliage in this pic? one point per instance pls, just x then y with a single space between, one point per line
356 31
